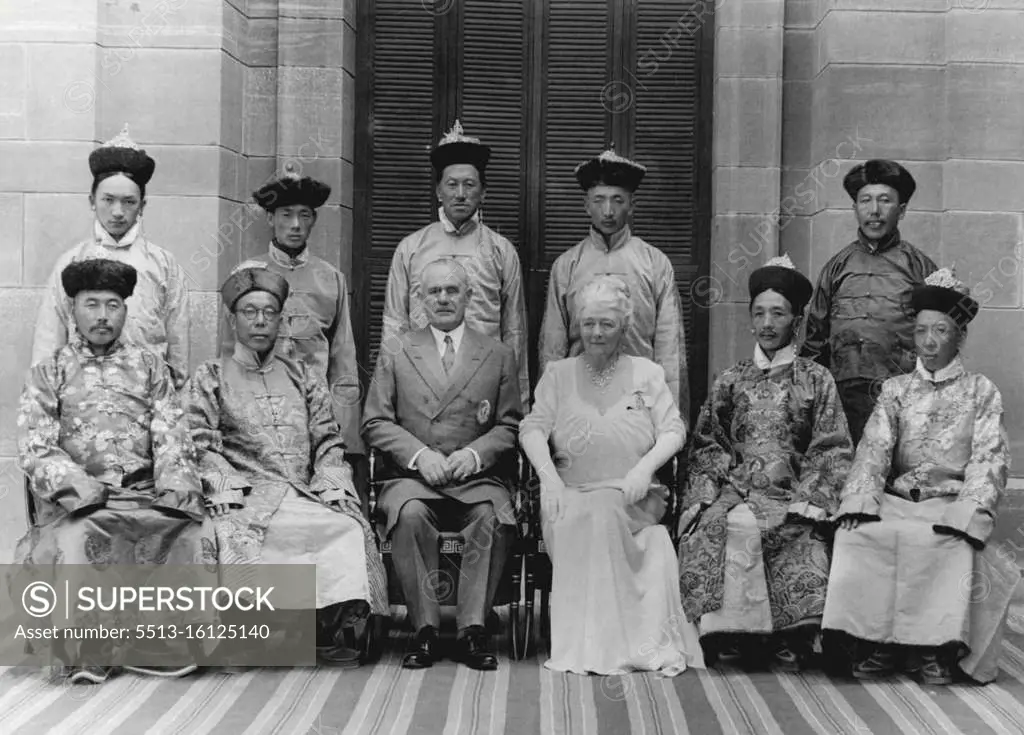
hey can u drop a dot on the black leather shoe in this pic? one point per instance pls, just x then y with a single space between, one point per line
471 649
426 651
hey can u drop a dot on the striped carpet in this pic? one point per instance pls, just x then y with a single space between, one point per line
520 697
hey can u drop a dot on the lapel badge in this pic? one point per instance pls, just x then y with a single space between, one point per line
483 413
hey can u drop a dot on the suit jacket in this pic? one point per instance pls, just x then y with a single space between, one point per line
412 405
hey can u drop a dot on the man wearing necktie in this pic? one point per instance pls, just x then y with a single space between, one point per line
444 408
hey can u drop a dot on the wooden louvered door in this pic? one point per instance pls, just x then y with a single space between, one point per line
546 83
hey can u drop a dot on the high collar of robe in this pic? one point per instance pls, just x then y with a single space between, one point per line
285 259
782 357
889 241
250 359
953 370
83 346
464 229
616 241
107 240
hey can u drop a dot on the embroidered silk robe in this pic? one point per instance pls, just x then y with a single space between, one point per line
264 431
101 437
775 440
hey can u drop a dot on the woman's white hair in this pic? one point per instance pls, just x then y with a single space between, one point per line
610 291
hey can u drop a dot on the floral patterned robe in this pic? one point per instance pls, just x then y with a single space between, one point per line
266 434
105 435
776 440
934 454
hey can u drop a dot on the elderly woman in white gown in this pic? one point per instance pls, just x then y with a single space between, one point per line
612 422
915 574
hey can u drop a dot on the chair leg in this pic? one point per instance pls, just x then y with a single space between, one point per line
514 645
545 615
376 637
529 647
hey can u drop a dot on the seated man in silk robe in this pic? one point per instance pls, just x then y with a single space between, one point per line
497 308
101 438
273 460
914 573
656 332
158 308
769 455
445 410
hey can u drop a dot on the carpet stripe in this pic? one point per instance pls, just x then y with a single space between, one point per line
610 695
260 718
642 706
927 704
457 695
903 719
407 705
365 715
732 718
692 697
672 708
168 711
784 709
101 712
25 689
819 715
209 721
992 708
498 698
524 701
547 703
27 709
588 708
305 711
745 689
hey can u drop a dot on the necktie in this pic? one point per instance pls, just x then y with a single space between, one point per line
449 354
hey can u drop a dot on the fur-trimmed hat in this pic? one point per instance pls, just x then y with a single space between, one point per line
780 275
252 275
289 190
610 169
99 274
943 291
121 155
456 147
880 171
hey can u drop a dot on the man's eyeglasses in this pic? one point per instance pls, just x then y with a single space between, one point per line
250 313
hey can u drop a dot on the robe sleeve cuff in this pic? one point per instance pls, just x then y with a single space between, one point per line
91 496
333 483
222 489
187 502
859 504
968 518
806 510
415 457
702 490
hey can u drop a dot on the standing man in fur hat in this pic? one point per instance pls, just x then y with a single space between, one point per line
656 332
315 325
158 309
860 325
497 307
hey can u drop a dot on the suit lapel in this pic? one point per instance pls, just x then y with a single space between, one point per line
423 353
468 360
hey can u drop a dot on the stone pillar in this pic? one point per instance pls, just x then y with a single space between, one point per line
746 165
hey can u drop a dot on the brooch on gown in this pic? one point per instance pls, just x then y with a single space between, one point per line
638 401
483 413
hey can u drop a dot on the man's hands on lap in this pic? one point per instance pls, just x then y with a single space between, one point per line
433 466
461 464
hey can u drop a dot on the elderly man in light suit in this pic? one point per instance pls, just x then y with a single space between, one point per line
444 408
